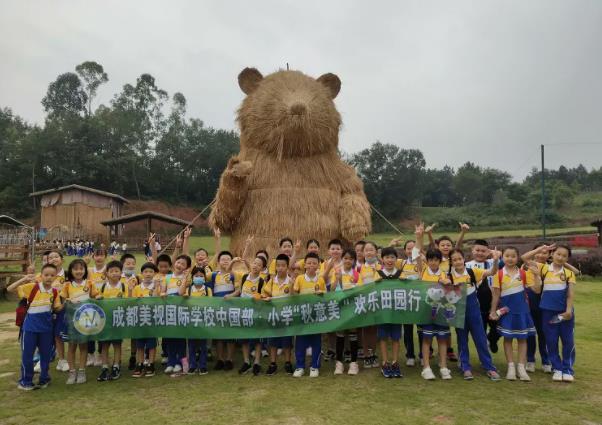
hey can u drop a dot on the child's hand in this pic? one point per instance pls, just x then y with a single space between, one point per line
267 298
419 229
99 297
495 254
151 240
430 228
395 242
298 246
445 281
464 227
493 316
227 297
567 315
163 294
179 241
187 232
533 267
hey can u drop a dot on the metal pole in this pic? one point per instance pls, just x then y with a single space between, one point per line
543 194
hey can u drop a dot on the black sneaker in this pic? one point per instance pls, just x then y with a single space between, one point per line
493 346
272 368
42 385
330 355
244 368
203 371
256 369
115 373
288 368
347 356
104 375
396 370
132 363
139 371
228 365
219 365
192 370
149 370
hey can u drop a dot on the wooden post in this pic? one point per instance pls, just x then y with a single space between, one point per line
149 227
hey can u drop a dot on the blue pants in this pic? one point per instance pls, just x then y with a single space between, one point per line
538 341
176 349
43 341
565 331
473 324
199 345
408 340
302 343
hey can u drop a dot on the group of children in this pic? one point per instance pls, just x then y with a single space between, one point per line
528 301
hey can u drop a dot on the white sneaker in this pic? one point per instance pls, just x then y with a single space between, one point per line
264 353
169 369
354 368
97 360
339 368
445 373
72 377
557 376
547 368
37 368
567 378
177 369
530 367
314 373
90 360
410 362
511 374
62 365
298 373
427 373
522 372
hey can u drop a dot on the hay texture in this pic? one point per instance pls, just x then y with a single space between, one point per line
288 179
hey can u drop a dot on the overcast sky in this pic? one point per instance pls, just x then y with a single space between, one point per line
487 81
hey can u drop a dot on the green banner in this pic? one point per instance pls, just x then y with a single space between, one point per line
241 318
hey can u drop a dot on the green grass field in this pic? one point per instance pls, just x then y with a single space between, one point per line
226 398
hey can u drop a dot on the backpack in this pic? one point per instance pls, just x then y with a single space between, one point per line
390 277
104 285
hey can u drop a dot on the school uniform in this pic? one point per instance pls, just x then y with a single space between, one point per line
97 277
473 322
409 271
431 329
144 290
222 287
251 288
517 323
274 288
309 285
37 331
537 341
553 302
484 295
176 347
198 345
58 319
389 330
108 291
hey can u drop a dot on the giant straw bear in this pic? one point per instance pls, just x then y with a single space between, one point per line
288 179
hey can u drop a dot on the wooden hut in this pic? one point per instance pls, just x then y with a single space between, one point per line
77 211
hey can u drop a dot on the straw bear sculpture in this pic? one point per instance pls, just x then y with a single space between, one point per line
288 179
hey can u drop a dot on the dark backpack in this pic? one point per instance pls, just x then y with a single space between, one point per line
389 277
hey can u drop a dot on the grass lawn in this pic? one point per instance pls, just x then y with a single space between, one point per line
367 398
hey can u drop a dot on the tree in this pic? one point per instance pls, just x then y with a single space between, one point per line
93 75
65 97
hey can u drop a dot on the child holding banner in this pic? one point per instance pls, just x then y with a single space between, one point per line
77 289
431 272
37 328
130 280
97 276
279 286
513 316
309 283
369 274
197 288
112 288
389 331
149 286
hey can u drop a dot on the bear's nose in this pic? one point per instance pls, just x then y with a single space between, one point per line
297 109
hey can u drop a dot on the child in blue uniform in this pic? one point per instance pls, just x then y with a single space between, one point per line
473 323
42 299
509 291
557 303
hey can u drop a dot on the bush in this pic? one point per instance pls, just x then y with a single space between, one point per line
590 264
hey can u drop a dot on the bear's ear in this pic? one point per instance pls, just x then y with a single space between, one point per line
249 79
332 82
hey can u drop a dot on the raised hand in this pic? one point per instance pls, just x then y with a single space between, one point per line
464 227
187 232
430 228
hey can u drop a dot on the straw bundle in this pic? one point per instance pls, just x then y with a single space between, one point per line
288 179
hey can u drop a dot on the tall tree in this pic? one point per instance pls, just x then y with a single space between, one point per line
65 97
93 75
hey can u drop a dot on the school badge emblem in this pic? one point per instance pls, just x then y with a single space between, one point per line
89 319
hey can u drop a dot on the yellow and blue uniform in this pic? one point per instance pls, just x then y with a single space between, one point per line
97 277
305 284
432 329
144 290
369 272
78 292
555 289
109 290
473 321
517 323
37 331
196 345
349 279
389 330
409 269
221 285
60 326
274 288
251 287
173 283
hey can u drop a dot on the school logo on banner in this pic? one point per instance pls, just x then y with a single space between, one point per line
89 319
